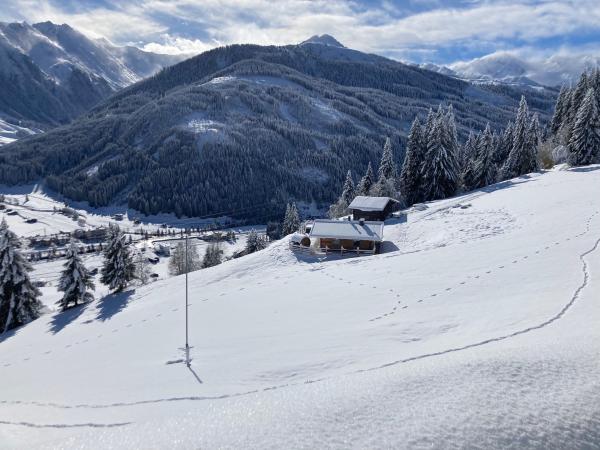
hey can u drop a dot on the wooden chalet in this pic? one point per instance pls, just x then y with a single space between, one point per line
373 208
347 236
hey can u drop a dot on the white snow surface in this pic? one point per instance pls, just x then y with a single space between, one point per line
477 328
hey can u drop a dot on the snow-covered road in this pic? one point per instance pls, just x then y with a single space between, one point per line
480 331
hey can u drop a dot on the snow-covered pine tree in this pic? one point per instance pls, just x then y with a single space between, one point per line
118 268
254 243
468 151
522 158
534 134
387 173
366 182
469 178
410 175
560 110
291 222
19 302
504 145
484 168
576 99
348 191
213 256
584 145
75 280
340 207
450 134
387 166
440 171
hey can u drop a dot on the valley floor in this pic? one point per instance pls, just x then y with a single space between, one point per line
477 328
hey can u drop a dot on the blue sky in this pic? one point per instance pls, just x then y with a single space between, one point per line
415 30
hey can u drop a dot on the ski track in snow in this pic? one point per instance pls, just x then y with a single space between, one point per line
576 295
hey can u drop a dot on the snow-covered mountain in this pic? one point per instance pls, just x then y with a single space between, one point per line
476 328
311 110
324 39
509 68
52 73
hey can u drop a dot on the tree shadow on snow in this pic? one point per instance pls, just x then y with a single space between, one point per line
585 169
64 318
113 304
508 184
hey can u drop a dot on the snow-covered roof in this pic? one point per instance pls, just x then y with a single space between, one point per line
365 203
347 229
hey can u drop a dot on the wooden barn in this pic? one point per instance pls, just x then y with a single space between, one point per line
373 208
347 236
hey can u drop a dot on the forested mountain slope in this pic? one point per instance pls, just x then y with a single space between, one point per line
244 128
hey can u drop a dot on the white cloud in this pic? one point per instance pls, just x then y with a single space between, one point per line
169 25
173 45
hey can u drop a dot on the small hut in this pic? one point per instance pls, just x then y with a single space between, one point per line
373 208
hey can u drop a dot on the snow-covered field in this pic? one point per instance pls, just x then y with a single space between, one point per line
477 328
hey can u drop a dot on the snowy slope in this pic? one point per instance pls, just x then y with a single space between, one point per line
476 328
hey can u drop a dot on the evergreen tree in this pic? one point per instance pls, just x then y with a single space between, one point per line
504 145
387 166
19 302
584 145
348 191
213 256
410 175
484 167
75 280
254 243
468 151
534 135
450 139
561 109
340 207
522 158
576 100
118 268
366 183
291 222
440 171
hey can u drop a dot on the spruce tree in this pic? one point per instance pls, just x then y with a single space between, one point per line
366 182
410 175
584 145
469 176
560 110
213 256
504 145
440 171
387 166
291 222
19 302
255 243
522 158
340 207
468 151
348 191
75 280
484 167
118 268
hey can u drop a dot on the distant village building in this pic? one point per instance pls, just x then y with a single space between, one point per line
373 208
347 236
